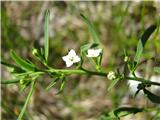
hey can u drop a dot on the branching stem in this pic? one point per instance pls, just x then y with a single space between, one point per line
82 71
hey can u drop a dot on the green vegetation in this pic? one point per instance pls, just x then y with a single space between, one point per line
122 41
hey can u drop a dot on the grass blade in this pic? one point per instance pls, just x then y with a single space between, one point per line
46 35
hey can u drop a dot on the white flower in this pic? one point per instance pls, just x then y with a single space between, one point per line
71 58
111 75
94 52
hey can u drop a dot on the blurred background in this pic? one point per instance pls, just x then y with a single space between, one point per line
119 25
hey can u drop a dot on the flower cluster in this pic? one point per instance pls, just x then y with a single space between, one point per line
72 57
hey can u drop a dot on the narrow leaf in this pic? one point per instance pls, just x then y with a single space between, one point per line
123 111
157 69
152 97
91 29
62 86
22 63
113 84
99 59
9 65
46 35
27 101
88 46
137 92
143 41
10 81
12 68
52 84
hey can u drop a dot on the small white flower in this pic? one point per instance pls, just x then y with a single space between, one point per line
111 75
71 58
93 52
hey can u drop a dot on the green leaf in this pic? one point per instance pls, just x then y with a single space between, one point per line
46 35
113 83
136 93
22 63
91 29
88 46
142 42
62 86
99 59
9 65
10 81
157 69
123 111
107 118
27 101
24 83
12 68
132 66
152 97
52 83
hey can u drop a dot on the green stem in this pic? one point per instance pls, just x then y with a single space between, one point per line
81 71
142 80
27 100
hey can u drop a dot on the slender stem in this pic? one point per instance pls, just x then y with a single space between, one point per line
85 72
142 80
81 71
27 100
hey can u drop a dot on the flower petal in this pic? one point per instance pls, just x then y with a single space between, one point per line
69 63
72 53
90 51
97 52
76 59
65 58
94 52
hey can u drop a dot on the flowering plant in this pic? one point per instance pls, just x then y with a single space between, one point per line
27 73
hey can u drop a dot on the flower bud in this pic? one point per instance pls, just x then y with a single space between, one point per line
111 75
126 59
22 81
35 52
